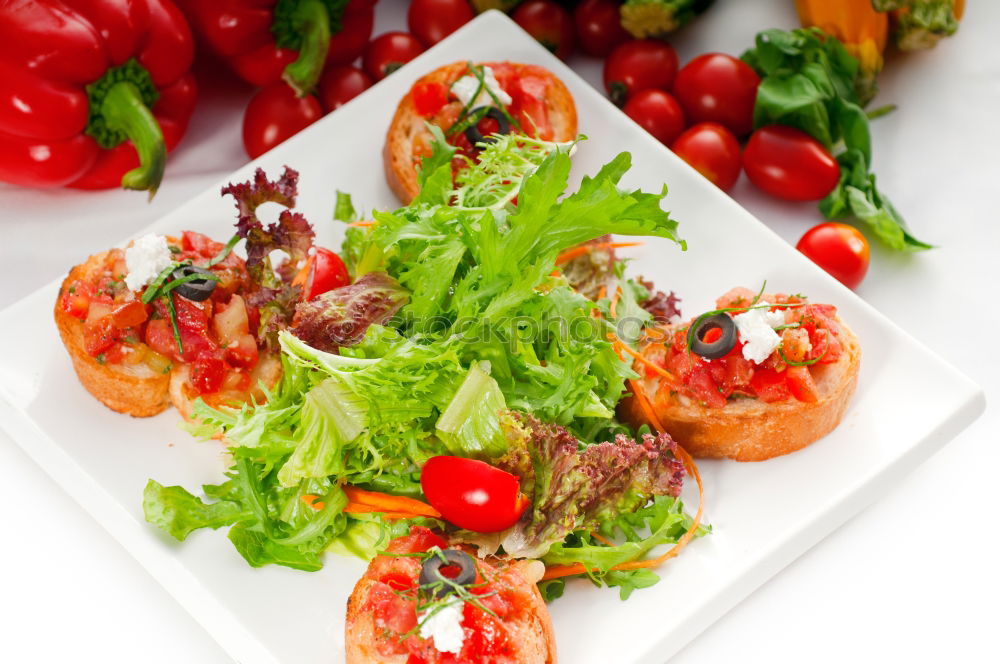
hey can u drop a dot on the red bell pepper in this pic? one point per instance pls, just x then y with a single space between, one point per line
93 93
265 41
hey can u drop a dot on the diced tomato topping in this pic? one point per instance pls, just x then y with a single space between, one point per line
419 540
485 636
769 385
129 314
99 335
160 337
207 372
528 106
76 299
429 97
801 384
200 244
242 352
397 581
704 388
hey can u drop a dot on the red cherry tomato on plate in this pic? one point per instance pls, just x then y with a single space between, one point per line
326 272
549 23
388 52
713 151
433 20
638 65
274 114
658 113
472 494
789 163
340 84
598 27
716 87
839 249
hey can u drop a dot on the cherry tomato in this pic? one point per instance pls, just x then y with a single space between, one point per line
598 27
716 87
549 23
789 163
340 84
713 151
357 23
433 20
326 272
275 114
839 249
472 494
638 65
658 113
388 52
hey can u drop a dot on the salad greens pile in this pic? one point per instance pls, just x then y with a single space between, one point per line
458 336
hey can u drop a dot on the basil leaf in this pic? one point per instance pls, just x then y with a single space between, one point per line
856 195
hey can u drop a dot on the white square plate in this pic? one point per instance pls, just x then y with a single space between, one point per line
908 404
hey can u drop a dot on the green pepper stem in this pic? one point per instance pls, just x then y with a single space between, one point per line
313 21
124 110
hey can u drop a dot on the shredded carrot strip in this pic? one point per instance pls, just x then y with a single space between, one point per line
303 274
389 503
558 571
614 302
582 249
640 357
602 539
312 501
603 293
362 224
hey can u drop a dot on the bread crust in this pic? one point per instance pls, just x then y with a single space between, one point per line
747 429
532 632
131 389
407 125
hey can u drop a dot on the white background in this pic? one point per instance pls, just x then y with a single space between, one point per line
914 578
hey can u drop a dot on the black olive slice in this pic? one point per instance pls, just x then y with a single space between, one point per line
719 347
430 572
194 283
475 136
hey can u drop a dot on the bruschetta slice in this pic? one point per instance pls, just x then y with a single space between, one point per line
398 614
467 101
762 376
138 355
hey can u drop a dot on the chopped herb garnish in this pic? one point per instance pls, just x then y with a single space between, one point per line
226 250
101 359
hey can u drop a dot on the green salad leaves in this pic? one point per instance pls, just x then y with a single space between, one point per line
458 336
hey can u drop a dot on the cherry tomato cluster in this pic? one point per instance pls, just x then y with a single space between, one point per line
703 110
276 112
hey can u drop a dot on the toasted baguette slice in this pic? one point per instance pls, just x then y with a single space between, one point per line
748 429
408 129
134 389
529 632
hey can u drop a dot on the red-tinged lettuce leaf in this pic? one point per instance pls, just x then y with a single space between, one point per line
340 317
291 233
663 306
274 293
572 489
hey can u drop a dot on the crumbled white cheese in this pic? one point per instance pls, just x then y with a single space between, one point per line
444 624
466 86
146 258
756 329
